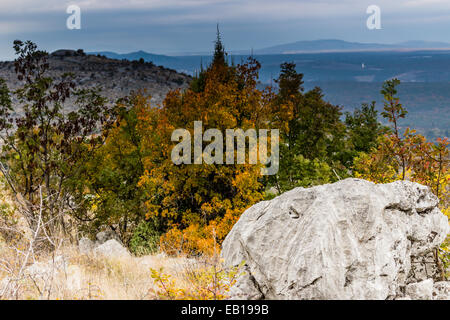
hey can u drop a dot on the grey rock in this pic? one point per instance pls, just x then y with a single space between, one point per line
107 244
422 290
403 298
441 290
245 287
44 270
86 245
112 249
104 236
349 240
424 267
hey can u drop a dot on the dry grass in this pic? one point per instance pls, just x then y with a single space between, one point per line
68 274
29 270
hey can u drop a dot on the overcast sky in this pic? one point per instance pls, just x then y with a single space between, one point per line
174 26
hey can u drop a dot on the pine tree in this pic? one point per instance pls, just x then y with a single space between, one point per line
219 50
311 133
219 63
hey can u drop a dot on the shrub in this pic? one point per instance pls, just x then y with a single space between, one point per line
44 147
204 280
145 239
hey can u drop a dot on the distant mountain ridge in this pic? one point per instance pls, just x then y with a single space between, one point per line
304 46
157 59
333 45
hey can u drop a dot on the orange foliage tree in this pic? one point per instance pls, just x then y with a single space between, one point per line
200 203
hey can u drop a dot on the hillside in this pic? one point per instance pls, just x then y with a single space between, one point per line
116 77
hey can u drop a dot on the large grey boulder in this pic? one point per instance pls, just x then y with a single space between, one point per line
112 249
349 240
107 244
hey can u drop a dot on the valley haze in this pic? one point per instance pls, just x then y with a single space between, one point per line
350 73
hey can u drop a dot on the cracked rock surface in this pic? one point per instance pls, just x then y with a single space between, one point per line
349 240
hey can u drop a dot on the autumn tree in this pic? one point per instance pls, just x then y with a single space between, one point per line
43 143
110 178
200 203
400 156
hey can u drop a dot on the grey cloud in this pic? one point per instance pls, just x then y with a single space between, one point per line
167 26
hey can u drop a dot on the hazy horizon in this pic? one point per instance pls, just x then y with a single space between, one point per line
177 26
241 51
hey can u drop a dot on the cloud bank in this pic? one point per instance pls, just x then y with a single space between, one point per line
169 26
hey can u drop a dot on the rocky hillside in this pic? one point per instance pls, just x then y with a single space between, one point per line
116 77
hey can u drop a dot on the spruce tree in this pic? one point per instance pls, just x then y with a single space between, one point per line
219 50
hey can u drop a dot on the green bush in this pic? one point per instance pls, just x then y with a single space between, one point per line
145 239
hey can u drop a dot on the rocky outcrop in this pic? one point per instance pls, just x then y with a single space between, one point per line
112 249
349 240
108 244
116 78
86 245
46 269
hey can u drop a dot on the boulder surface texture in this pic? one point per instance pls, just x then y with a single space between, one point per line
348 240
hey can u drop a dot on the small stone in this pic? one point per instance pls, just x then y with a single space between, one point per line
422 290
441 290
